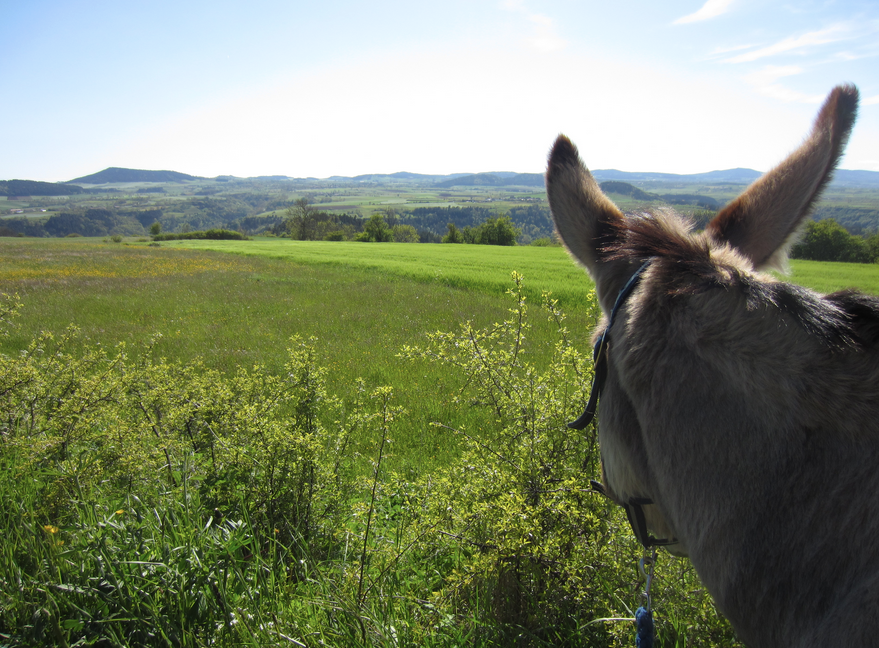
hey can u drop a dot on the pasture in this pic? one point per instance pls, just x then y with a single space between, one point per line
211 487
362 304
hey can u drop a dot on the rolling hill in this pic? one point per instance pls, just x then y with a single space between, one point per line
115 174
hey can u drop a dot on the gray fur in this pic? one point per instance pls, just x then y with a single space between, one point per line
746 408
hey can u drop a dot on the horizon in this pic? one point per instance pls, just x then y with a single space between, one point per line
348 88
397 173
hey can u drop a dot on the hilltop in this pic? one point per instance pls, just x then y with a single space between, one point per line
116 174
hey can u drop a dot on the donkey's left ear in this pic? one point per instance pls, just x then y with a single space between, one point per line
763 221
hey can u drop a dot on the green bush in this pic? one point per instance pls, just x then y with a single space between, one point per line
147 503
547 560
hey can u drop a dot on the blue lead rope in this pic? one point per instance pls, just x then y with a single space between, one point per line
644 615
644 623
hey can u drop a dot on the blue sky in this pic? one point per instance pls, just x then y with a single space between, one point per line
343 88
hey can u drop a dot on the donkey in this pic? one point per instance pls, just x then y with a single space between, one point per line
739 413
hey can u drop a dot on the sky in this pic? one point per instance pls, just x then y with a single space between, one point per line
336 87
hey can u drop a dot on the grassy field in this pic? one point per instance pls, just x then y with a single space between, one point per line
239 310
262 497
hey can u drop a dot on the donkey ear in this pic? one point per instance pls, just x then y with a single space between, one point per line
585 218
763 221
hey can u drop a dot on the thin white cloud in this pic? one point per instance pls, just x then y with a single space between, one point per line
870 101
765 81
544 37
832 34
772 73
711 9
846 56
718 51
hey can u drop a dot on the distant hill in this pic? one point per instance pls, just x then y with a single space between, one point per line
403 176
115 174
37 188
846 177
625 189
734 176
495 180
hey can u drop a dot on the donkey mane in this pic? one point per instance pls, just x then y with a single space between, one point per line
684 265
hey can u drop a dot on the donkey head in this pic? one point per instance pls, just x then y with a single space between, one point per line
750 234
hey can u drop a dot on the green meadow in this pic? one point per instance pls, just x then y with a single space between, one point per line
362 304
274 442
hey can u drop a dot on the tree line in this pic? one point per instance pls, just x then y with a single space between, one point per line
822 240
305 222
827 240
493 231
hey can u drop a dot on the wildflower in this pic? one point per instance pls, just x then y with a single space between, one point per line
48 528
120 511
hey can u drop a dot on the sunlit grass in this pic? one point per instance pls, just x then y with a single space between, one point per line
482 268
829 276
487 268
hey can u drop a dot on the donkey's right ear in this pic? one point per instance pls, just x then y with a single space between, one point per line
585 219
762 223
